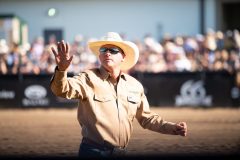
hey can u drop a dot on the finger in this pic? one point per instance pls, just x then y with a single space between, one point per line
70 59
182 133
182 123
179 127
54 52
67 47
63 47
59 47
182 128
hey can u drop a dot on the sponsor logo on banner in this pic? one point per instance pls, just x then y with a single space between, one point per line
35 96
235 93
193 94
7 94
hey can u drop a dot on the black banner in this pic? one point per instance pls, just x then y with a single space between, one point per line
30 91
206 89
190 88
10 93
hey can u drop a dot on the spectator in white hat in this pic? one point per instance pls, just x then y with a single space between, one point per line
109 99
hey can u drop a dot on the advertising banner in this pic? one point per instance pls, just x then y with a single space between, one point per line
10 95
190 88
30 91
208 89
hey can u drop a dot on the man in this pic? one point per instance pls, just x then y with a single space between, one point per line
109 99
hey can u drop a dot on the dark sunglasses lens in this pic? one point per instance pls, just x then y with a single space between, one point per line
103 50
113 50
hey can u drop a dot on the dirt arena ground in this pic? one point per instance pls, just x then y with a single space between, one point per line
55 132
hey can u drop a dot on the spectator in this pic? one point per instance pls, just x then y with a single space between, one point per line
37 49
27 67
13 59
220 40
3 55
234 62
236 36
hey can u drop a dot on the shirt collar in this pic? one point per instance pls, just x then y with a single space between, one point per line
105 74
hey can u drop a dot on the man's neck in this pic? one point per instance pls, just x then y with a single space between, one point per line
114 72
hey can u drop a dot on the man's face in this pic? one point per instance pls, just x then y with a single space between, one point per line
111 56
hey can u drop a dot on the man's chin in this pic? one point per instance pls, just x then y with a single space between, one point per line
108 64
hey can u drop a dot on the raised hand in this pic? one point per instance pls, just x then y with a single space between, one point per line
62 56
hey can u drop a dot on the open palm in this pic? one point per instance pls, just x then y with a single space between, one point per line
62 56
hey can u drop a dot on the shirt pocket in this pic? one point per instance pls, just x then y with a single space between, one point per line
102 98
103 103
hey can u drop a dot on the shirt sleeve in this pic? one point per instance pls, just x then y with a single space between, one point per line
70 88
153 121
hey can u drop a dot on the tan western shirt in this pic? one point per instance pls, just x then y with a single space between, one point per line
105 111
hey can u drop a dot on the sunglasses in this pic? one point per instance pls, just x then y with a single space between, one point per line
113 50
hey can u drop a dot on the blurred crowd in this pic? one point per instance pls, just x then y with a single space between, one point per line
213 51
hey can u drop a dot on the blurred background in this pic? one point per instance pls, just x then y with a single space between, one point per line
189 58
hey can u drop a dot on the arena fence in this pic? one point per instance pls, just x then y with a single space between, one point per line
207 89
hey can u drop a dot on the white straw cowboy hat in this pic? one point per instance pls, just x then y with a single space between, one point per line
130 49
